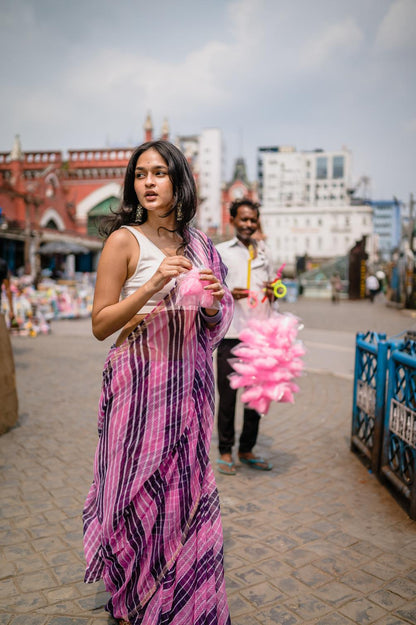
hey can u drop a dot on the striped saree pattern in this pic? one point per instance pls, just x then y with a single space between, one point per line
152 527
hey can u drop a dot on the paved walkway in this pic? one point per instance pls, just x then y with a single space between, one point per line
316 541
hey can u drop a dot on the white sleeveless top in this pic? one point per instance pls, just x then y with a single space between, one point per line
150 258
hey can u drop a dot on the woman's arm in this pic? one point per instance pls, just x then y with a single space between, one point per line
109 314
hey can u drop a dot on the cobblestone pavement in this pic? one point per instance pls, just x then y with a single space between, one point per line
317 540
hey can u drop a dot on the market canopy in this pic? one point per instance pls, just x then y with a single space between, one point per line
62 247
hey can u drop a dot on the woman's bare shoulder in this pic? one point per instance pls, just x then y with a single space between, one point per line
120 238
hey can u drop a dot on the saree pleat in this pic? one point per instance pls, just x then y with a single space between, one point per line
152 527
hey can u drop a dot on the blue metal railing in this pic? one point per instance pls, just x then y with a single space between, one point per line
371 352
384 409
398 458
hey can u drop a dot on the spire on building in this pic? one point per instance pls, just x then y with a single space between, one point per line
148 128
16 153
165 130
240 172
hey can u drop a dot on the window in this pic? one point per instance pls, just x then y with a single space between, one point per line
338 167
322 167
51 225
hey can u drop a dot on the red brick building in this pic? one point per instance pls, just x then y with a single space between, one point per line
236 189
49 206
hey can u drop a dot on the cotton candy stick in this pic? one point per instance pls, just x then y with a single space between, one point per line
251 256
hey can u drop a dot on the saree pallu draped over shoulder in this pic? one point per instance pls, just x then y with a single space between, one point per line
152 527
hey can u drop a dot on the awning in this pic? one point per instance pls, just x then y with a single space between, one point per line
62 247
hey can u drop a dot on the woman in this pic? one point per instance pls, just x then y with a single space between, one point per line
152 527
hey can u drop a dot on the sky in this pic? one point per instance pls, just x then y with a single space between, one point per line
313 74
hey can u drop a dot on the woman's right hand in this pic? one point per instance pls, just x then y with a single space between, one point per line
171 267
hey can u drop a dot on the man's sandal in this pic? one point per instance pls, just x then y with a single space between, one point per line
256 463
226 468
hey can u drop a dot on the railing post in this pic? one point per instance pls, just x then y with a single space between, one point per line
381 378
357 368
398 460
369 396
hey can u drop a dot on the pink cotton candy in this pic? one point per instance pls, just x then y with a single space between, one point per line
191 290
267 360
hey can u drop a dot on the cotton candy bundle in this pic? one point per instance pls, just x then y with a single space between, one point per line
191 290
267 359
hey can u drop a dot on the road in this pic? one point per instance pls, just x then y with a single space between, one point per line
329 330
316 541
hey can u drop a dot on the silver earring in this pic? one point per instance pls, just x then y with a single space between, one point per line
138 219
179 212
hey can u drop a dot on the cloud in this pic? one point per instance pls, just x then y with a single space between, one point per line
410 126
333 41
156 84
266 71
121 80
398 27
244 18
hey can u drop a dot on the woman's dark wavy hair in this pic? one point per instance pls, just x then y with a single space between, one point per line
183 183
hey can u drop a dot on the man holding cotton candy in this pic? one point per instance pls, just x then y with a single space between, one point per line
249 278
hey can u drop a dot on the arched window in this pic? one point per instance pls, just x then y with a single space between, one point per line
52 225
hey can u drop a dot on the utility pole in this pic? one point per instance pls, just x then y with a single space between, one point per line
410 278
411 221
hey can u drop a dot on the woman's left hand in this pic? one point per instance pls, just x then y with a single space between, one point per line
214 285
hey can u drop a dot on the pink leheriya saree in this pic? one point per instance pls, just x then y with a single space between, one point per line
152 527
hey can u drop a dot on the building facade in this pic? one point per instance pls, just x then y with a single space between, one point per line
237 188
205 155
306 204
36 208
308 208
319 233
50 205
290 178
387 220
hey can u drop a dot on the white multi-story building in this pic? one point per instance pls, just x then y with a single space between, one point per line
289 178
306 206
321 233
205 154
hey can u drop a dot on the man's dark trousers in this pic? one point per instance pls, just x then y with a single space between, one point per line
227 402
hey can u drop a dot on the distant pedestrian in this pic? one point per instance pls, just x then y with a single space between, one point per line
336 287
372 286
5 282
